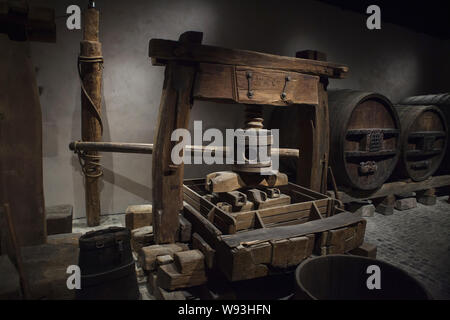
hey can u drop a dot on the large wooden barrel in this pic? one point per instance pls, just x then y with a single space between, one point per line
364 138
423 141
442 101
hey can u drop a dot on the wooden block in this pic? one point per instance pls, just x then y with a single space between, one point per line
386 206
280 249
385 209
151 283
184 230
248 206
367 210
427 197
364 208
238 264
170 279
9 280
162 260
282 200
138 216
427 200
290 252
59 219
365 250
142 237
148 255
406 203
261 253
46 266
64 238
342 240
301 248
161 294
189 261
199 243
405 195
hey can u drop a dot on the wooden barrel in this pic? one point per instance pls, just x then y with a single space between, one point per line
442 101
364 138
423 141
107 266
346 277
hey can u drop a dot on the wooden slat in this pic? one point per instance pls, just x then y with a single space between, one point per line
246 220
276 233
201 225
167 50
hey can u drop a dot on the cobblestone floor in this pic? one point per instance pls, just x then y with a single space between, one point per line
417 241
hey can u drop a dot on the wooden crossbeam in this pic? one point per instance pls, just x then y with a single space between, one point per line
166 50
395 188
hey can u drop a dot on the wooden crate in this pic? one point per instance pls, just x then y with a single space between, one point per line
303 202
257 243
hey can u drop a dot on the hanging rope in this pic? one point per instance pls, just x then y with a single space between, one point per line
94 108
90 164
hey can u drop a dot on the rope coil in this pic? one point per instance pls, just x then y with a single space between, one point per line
90 163
95 109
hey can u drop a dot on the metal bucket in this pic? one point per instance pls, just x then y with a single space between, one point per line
107 266
347 277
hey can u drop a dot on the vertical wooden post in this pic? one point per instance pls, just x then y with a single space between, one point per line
21 177
315 136
174 110
91 126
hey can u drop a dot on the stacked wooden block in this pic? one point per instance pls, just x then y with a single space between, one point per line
341 240
59 219
171 268
138 218
168 267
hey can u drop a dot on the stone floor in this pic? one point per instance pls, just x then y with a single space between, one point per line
416 240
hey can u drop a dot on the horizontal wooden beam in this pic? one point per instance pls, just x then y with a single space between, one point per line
277 233
395 188
164 50
147 148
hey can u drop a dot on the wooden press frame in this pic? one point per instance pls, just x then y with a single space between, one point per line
196 71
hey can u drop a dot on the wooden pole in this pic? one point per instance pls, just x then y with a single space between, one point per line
147 148
90 68
174 110
315 136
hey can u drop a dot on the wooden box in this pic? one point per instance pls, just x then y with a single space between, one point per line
257 243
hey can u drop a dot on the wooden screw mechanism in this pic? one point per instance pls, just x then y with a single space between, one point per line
90 64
